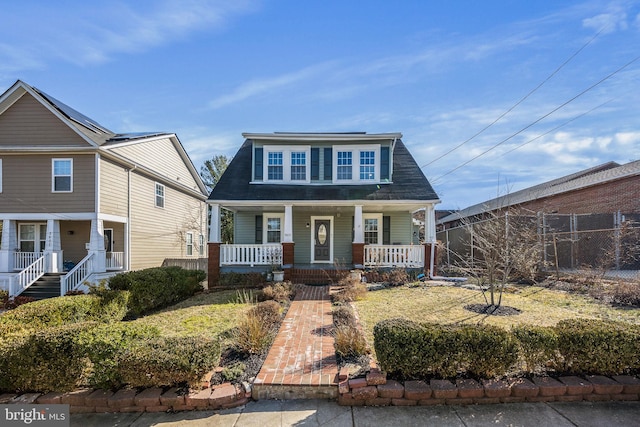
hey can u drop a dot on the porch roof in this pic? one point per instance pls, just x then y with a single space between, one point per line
409 185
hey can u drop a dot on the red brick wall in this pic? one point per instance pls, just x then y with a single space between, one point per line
214 264
357 253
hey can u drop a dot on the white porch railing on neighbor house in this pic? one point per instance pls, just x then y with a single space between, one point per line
115 261
77 275
407 256
27 276
22 260
269 254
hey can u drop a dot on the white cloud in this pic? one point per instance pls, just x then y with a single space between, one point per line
628 138
613 20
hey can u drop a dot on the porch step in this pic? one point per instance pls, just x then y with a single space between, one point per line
48 286
310 276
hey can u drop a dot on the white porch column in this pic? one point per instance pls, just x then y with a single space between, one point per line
8 244
358 229
429 224
214 227
96 246
288 224
52 246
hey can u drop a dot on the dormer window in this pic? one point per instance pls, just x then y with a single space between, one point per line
356 164
367 165
275 166
345 165
298 166
285 164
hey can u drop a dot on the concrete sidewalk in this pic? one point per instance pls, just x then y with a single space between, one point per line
268 413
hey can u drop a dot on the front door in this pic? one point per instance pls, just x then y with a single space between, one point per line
322 240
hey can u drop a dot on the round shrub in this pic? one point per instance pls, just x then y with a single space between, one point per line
269 313
538 346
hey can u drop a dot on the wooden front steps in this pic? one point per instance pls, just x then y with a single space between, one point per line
48 286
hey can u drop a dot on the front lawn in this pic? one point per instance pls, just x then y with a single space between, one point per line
445 305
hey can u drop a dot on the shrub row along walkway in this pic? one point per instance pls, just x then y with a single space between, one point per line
302 362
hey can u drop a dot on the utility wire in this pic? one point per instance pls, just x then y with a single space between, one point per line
541 118
517 103
556 128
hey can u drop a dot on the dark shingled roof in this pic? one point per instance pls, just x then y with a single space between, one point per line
409 183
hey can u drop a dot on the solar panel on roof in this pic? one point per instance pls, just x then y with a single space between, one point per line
74 115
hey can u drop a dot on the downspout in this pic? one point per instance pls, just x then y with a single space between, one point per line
128 234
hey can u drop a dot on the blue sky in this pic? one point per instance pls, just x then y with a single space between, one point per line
438 71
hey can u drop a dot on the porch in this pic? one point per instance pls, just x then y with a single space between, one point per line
77 251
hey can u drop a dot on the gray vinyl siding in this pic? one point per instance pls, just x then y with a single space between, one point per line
301 237
162 157
113 188
29 123
159 233
26 184
342 232
244 228
401 228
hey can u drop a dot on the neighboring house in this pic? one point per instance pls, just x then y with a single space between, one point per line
605 189
588 218
86 202
321 201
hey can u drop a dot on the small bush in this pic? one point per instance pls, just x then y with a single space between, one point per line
233 372
626 294
233 279
245 296
281 292
352 290
396 277
538 347
16 302
598 347
343 315
168 361
269 313
253 335
349 341
157 287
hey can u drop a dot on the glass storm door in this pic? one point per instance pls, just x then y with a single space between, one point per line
322 240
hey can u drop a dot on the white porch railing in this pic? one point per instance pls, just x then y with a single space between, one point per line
115 261
269 254
22 260
27 276
77 275
408 256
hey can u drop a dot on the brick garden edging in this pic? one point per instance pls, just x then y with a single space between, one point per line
376 390
153 399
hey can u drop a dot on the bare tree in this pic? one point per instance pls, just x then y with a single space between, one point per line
211 172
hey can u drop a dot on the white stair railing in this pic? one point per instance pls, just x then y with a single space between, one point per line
77 275
27 277
115 260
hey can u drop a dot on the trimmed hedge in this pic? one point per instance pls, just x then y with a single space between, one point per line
598 347
419 350
168 361
63 311
158 287
413 350
103 356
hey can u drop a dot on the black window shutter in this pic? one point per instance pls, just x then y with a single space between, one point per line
315 164
257 163
258 229
328 164
386 230
384 163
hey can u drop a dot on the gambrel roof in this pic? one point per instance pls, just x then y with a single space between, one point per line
408 184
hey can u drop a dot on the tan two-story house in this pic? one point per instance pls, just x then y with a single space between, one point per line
82 202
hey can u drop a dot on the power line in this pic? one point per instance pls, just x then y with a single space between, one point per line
517 103
541 118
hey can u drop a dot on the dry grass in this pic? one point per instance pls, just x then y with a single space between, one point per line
444 304
204 314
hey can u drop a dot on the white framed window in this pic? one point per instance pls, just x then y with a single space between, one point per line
287 164
367 165
345 166
189 244
273 224
32 237
274 166
159 195
201 245
372 229
62 175
298 166
356 164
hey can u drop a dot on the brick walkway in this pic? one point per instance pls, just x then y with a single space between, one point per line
302 361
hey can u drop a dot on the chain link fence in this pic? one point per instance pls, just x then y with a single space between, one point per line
606 245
